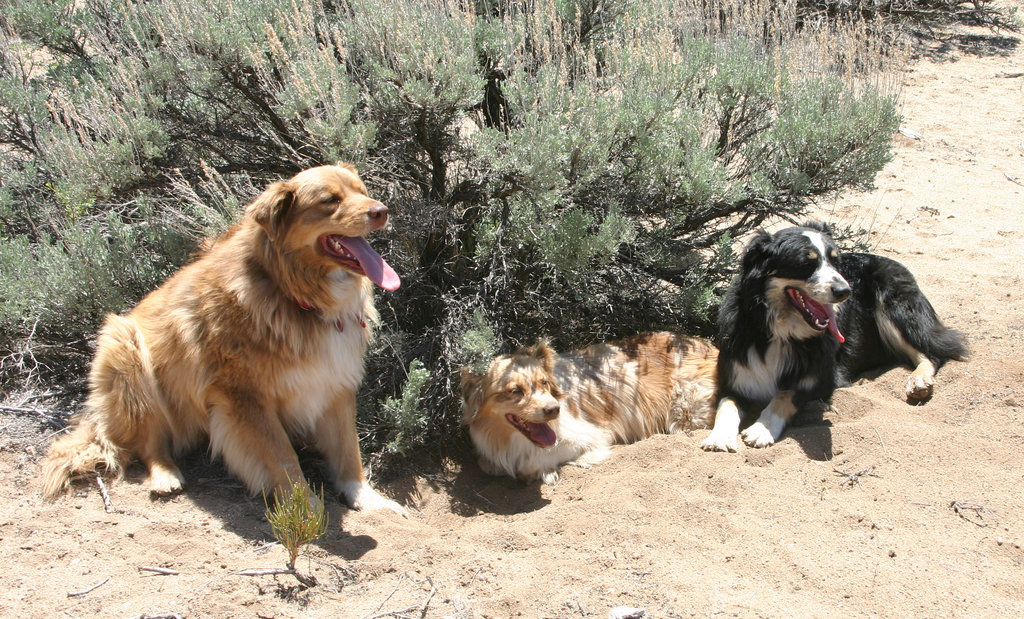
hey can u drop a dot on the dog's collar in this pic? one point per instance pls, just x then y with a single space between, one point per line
339 324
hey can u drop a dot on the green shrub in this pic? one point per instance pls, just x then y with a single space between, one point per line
559 168
297 517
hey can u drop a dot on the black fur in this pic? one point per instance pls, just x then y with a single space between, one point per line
815 363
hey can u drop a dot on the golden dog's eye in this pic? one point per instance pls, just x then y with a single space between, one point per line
328 199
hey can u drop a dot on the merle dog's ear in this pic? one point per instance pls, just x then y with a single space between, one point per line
472 394
542 350
820 226
756 252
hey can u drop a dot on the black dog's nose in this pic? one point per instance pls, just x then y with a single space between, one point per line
551 410
840 292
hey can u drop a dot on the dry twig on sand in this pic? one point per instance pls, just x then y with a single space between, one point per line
158 570
108 505
308 581
53 418
76 594
971 512
421 607
854 478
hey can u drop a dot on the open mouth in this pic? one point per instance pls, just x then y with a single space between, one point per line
820 316
356 255
540 433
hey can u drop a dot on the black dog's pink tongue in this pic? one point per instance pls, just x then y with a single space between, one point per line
541 433
833 324
823 314
379 271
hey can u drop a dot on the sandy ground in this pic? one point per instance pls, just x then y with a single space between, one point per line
876 508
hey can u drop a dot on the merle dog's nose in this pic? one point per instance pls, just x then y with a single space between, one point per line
840 292
551 411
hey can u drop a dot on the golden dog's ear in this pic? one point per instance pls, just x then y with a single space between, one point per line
270 207
472 394
348 166
543 351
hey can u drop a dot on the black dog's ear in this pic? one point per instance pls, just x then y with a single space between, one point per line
758 264
820 226
756 252
270 207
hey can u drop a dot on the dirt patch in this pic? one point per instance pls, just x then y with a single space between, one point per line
875 507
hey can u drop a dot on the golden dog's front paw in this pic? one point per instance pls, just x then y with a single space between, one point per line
163 481
362 497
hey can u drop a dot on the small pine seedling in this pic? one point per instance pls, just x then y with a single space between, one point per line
297 518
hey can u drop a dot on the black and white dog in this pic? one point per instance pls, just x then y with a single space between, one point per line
786 341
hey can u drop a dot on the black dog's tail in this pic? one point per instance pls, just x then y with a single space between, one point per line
946 344
924 330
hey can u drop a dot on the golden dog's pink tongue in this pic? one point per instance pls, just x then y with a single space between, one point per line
375 267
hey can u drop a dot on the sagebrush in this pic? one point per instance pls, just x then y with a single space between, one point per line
576 169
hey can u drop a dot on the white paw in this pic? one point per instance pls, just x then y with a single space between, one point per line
362 497
164 481
919 387
551 477
758 435
720 441
590 458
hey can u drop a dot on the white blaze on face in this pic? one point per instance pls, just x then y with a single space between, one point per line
826 276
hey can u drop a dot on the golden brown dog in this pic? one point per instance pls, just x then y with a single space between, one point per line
257 342
534 411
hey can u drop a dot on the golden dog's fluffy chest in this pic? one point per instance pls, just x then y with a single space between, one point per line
331 367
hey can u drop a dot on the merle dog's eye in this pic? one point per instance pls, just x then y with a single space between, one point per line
517 390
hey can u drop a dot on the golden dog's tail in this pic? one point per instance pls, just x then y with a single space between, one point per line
81 452
122 396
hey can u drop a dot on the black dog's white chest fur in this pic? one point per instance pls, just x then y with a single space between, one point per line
801 318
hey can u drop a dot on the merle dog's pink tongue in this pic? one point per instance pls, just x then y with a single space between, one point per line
541 433
375 267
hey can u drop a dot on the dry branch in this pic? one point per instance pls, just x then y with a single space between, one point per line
854 478
971 512
265 571
158 570
76 594
52 417
108 505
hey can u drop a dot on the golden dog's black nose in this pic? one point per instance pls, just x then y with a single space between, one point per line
378 211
